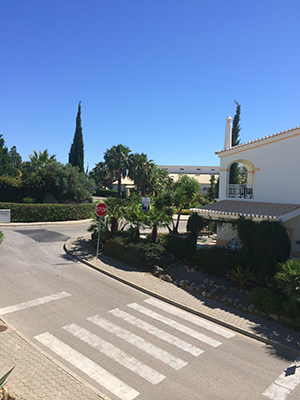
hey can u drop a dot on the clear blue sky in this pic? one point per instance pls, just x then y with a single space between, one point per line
159 76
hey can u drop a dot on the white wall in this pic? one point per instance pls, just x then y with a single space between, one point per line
276 163
294 224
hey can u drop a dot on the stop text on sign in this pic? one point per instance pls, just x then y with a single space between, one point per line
101 209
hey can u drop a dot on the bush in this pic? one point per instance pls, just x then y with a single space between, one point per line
216 260
141 255
29 200
65 182
106 193
1 237
288 281
195 223
267 300
183 247
264 245
48 212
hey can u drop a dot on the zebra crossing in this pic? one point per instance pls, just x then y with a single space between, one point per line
128 318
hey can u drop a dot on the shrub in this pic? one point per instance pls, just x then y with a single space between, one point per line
216 260
106 193
264 245
48 212
183 247
141 255
243 276
1 237
195 223
29 200
288 281
267 300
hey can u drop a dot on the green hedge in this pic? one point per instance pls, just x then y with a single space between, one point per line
141 255
217 260
182 246
106 193
49 212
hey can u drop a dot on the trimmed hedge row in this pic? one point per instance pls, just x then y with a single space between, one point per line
142 255
49 212
106 193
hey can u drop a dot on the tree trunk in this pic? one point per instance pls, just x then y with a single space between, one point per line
154 233
177 222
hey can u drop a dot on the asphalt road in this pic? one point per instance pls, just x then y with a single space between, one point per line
117 338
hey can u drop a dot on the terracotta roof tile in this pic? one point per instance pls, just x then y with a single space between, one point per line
249 208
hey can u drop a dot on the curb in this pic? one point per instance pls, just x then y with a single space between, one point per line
91 264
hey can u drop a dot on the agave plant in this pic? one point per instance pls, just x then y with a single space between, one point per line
243 276
4 378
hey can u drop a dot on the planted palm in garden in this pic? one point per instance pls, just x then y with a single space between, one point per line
155 219
116 159
288 281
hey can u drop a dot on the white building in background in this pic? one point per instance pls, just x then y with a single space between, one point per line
200 173
273 183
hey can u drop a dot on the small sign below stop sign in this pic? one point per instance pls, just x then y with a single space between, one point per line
101 209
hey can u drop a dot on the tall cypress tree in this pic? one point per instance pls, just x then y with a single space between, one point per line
76 155
236 128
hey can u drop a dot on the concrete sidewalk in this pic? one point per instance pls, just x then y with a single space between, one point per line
251 325
39 377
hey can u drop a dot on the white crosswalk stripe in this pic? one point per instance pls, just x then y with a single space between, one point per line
33 303
94 371
191 318
105 378
139 342
182 328
116 354
195 351
285 383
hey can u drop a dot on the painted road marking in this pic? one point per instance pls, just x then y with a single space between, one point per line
285 383
33 303
139 342
191 318
181 344
116 354
89 367
170 322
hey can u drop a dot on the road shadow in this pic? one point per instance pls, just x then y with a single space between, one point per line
281 341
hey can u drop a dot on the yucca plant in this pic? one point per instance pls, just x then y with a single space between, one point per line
4 378
243 276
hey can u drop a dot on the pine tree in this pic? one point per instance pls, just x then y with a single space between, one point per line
5 160
16 160
236 128
76 155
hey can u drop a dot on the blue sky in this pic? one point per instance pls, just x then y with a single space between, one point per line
159 76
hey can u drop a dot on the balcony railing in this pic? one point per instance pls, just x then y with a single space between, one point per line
240 191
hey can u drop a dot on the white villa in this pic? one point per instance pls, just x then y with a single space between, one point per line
273 183
200 173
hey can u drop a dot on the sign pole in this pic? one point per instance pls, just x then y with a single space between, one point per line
101 210
98 237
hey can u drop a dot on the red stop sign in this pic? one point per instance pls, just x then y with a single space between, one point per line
101 209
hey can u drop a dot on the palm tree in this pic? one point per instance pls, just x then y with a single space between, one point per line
101 175
140 171
37 161
116 160
41 160
156 219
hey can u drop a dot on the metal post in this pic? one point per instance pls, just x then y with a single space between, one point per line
98 237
